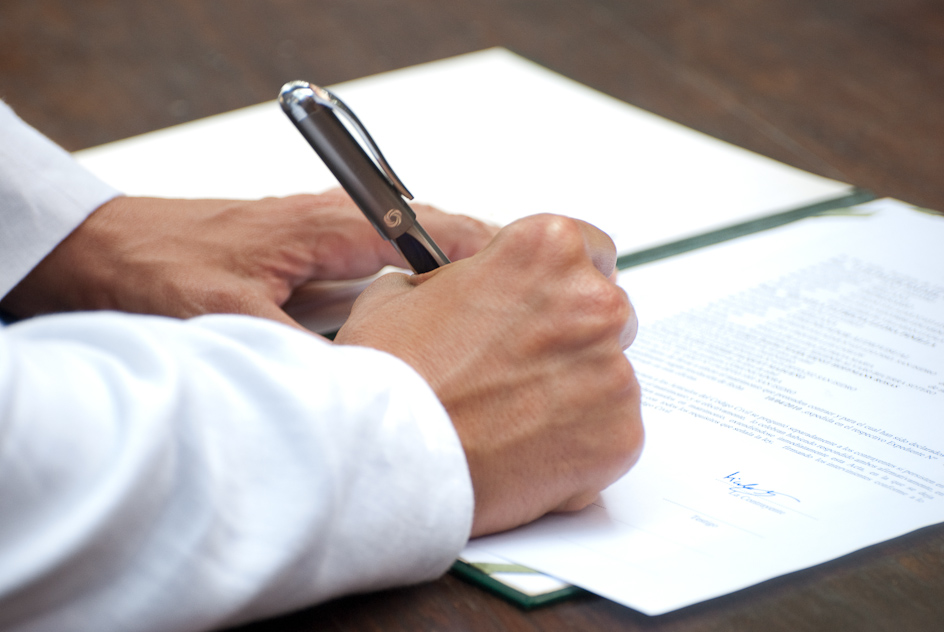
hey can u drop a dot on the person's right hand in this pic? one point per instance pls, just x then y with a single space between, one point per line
523 343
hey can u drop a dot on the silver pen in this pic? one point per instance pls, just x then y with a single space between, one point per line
370 181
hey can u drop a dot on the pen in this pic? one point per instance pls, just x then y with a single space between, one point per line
371 183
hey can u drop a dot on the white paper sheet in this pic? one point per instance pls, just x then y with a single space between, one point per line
488 134
794 405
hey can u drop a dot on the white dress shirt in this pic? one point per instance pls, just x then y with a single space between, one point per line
158 474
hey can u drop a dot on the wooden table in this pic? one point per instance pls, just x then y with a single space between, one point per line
849 89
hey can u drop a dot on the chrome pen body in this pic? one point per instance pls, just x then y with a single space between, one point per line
369 181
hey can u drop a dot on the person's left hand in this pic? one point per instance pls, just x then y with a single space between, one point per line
184 258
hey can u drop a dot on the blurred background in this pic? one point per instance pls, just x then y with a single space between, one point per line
849 89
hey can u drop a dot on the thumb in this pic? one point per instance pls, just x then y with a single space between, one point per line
379 294
384 289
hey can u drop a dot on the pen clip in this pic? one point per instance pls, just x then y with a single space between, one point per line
326 98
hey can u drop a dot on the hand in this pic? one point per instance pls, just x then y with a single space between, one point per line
189 257
523 343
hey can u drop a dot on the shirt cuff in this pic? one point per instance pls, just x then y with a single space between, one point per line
45 195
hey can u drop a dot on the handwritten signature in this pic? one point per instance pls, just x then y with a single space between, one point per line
738 486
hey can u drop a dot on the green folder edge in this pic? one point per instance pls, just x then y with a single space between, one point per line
524 601
856 196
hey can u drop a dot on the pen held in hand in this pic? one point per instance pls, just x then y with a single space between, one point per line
370 181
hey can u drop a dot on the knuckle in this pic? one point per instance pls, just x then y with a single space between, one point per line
550 237
223 300
611 299
589 313
620 381
604 306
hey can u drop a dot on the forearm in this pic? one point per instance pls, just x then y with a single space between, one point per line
241 470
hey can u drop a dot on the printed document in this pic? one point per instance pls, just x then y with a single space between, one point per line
793 398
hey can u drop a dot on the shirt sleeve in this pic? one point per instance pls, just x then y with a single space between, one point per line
169 475
44 195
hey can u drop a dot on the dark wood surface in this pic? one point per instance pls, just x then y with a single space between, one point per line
850 89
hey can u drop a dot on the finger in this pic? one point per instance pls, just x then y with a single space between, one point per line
386 288
378 295
600 249
544 236
628 335
342 242
459 236
346 246
263 307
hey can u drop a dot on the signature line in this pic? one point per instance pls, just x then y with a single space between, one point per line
756 535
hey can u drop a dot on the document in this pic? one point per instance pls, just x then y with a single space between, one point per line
793 399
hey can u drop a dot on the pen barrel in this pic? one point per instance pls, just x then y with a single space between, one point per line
355 171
